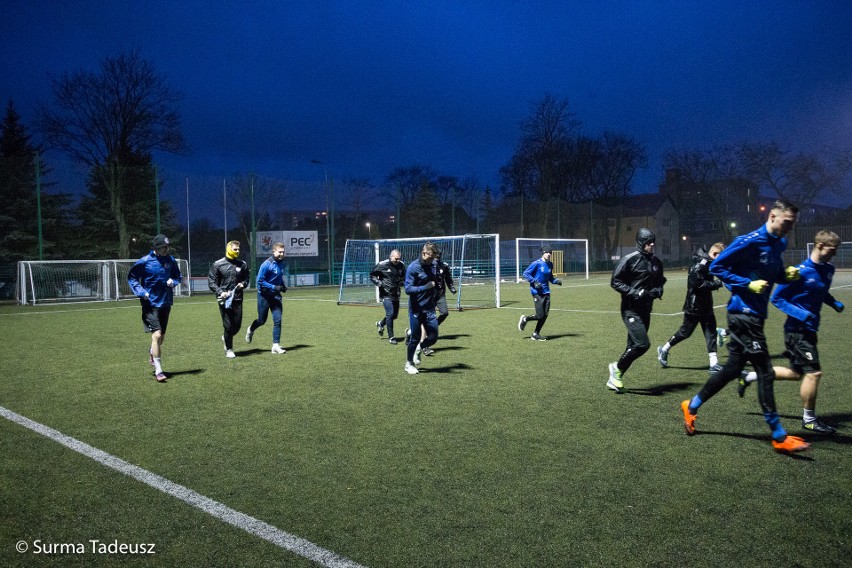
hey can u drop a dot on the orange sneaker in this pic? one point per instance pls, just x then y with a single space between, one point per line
790 444
688 418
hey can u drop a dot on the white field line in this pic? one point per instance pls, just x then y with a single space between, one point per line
222 512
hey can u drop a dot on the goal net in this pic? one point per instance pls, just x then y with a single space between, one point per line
474 262
570 256
65 281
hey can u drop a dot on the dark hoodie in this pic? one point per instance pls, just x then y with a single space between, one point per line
700 285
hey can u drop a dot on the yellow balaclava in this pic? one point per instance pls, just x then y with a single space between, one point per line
230 252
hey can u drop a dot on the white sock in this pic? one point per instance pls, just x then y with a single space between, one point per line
809 415
157 367
714 359
666 347
751 377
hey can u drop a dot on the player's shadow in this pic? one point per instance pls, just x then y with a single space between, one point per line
451 336
685 368
562 335
442 348
763 439
187 372
660 390
457 368
297 347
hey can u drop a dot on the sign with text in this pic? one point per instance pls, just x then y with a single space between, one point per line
301 243
296 243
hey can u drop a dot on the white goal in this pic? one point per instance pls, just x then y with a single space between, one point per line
842 259
474 262
65 281
570 256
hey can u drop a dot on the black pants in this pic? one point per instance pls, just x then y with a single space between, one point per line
747 345
391 312
232 321
542 310
690 322
637 324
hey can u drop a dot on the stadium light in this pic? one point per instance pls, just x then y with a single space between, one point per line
329 218
369 230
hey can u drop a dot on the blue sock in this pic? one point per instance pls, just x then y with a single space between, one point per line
778 432
695 403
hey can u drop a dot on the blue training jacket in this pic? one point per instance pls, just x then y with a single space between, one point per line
802 299
539 271
150 274
269 275
417 277
755 256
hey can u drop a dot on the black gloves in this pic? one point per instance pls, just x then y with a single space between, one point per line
537 285
452 289
557 281
281 289
655 293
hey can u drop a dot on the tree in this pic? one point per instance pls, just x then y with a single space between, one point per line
20 208
107 120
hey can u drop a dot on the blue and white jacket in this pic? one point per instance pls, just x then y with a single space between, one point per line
802 299
149 275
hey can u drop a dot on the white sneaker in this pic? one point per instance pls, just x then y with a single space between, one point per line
230 354
249 334
278 349
417 353
411 369
662 357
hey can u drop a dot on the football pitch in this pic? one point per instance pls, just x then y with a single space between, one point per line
501 452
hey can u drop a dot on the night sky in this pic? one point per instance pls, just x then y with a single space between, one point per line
368 86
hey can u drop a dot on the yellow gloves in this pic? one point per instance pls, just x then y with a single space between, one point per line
758 286
792 273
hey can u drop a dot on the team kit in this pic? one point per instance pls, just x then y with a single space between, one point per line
751 268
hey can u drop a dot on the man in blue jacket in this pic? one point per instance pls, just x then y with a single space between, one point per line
270 286
539 274
749 268
802 301
420 282
152 279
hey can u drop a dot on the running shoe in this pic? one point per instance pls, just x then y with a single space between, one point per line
688 418
662 357
614 381
819 427
790 444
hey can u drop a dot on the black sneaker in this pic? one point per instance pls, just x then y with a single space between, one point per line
537 337
393 341
381 328
743 384
819 427
522 323
715 368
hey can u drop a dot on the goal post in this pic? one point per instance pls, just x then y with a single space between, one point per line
570 256
474 262
66 281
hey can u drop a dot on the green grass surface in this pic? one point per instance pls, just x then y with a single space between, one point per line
501 452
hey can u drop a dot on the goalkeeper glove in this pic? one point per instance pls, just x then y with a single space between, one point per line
655 293
792 273
452 289
838 306
758 286
557 281
537 285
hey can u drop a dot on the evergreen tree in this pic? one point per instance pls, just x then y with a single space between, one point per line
19 204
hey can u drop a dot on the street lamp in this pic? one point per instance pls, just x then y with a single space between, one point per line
369 231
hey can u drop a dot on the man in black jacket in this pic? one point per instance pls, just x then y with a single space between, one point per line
639 279
227 278
698 306
389 276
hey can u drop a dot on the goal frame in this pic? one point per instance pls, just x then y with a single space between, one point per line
110 281
464 274
520 267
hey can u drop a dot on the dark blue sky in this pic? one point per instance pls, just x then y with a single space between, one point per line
367 86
